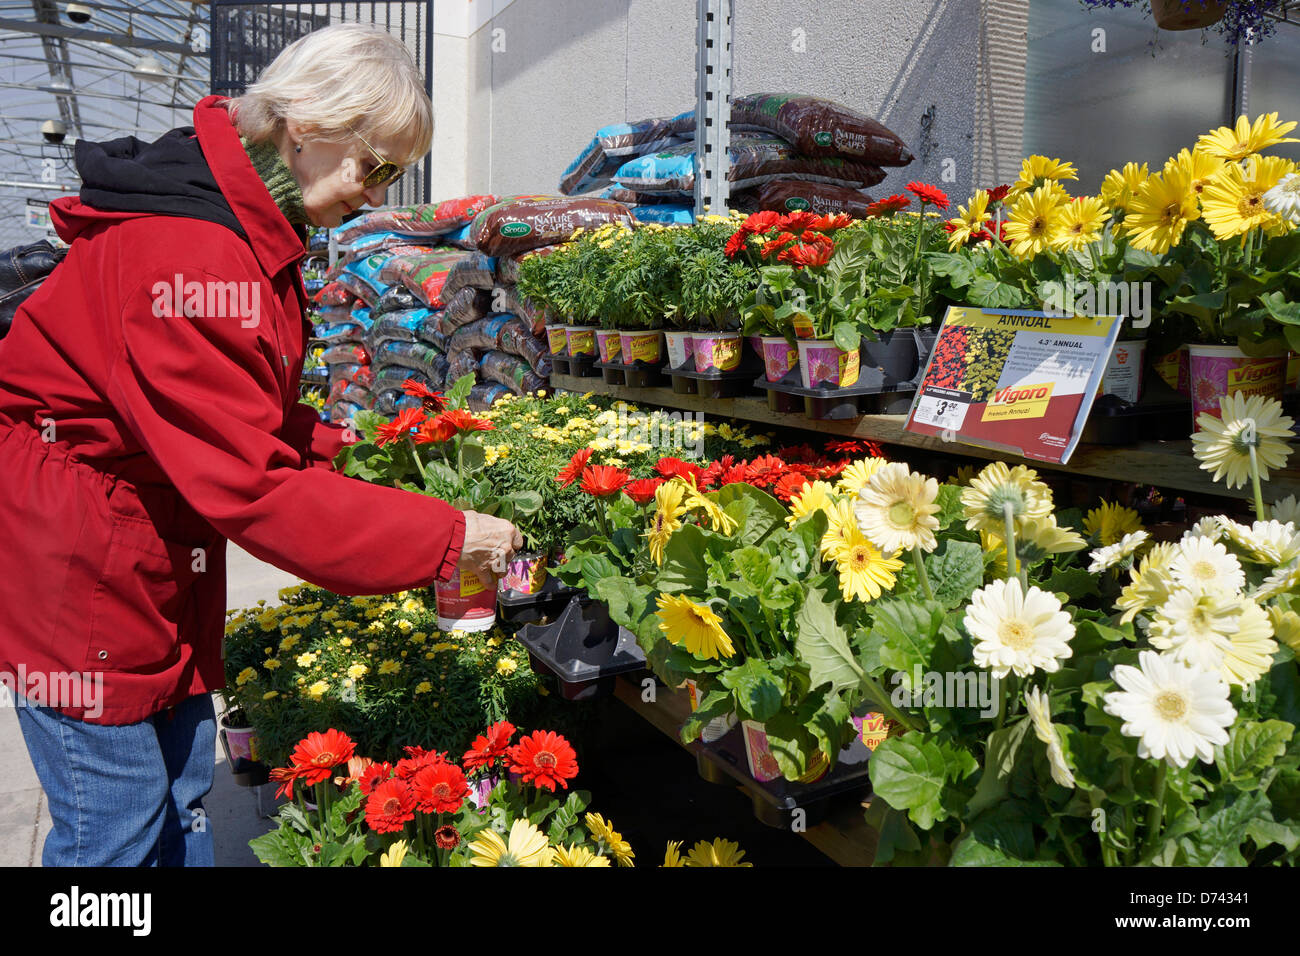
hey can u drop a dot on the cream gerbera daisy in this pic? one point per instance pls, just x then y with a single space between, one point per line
1177 712
1040 716
525 846
1223 444
1286 626
998 486
1150 583
1286 510
856 475
1103 559
1283 200
1266 542
896 509
1018 631
1284 580
815 496
1209 528
1202 565
1037 538
1196 628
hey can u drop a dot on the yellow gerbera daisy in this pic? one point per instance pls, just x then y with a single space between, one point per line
667 517
1161 209
1038 171
672 854
1031 224
1109 523
610 839
578 855
1120 185
1234 203
395 854
815 496
969 219
1150 582
1202 168
718 853
1239 141
694 626
841 527
858 474
864 572
1037 538
526 846
1079 223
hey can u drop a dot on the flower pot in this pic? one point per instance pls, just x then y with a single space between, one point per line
581 340
892 356
1186 14
609 345
679 348
716 351
715 728
557 339
779 356
1175 369
525 573
822 362
240 745
1123 375
642 345
763 766
1218 370
756 343
464 604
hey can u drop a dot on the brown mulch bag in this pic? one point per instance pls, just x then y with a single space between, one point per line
524 224
789 195
820 127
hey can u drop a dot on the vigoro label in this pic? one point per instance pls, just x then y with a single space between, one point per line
1019 401
1255 377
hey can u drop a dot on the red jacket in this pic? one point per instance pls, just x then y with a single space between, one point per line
132 446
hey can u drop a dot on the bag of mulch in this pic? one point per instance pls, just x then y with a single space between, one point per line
475 271
396 299
338 333
430 331
820 127
428 219
669 214
346 354
394 400
344 411
353 393
511 371
756 158
460 239
400 325
460 364
464 307
423 274
590 169
508 266
528 223
335 294
483 396
342 373
505 298
516 338
414 355
395 376
788 195
479 334
360 288
612 144
629 197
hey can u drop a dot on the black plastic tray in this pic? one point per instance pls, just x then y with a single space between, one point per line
583 649
583 366
516 607
715 384
1114 421
774 802
632 374
559 365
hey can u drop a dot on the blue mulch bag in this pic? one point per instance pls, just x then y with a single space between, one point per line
670 214
484 396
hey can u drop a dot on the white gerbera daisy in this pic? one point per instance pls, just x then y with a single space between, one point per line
1268 542
1150 583
1287 509
1108 557
1176 712
896 509
1216 632
1016 630
1206 528
997 487
1284 198
1040 715
1285 579
1286 626
1202 565
1250 653
1222 446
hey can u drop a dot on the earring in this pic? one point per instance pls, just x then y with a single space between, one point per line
297 149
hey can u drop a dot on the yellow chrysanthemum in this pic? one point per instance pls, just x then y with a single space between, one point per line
603 831
357 671
997 486
317 690
1039 171
1109 523
815 496
1234 203
506 666
864 572
694 626
1032 223
718 853
1121 185
1239 141
525 846
244 676
389 667
1079 223
1160 210
271 664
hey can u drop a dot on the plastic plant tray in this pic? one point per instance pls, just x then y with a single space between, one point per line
775 801
583 649
559 365
1114 421
583 366
632 374
718 384
516 607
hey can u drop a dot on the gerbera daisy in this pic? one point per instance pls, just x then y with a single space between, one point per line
1202 168
440 788
578 855
806 255
446 837
1039 709
856 475
718 853
1150 582
864 572
718 519
1039 171
390 806
888 206
1032 223
1110 522
1283 200
1120 185
601 481
434 431
815 496
839 220
570 472
1176 712
1037 538
525 846
694 626
1079 223
998 486
431 400
609 839
896 509
544 757
317 754
642 491
394 855
667 517
1266 542
463 421
1160 210
1286 626
1202 565
777 245
1286 510
1239 141
1282 581
673 854
1215 632
676 468
926 193
1223 444
969 220
1018 631
1103 559
1234 203
400 427
766 470
374 775
841 527
789 486
998 193
487 748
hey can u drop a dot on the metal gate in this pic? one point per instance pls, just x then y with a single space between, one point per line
246 37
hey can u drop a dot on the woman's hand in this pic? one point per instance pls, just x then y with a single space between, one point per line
489 544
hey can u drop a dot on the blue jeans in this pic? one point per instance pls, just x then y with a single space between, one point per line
130 795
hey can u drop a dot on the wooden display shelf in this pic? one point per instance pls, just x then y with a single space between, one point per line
843 835
1165 464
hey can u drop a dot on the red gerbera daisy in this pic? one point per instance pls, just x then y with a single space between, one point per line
797 453
674 467
464 421
434 431
603 480
642 491
488 747
766 470
715 470
736 244
846 447
374 775
570 472
285 776
399 427
544 758
832 469
417 760
928 194
998 193
735 475
446 837
761 221
790 484
390 806
888 206
830 223
440 788
319 753
814 254
432 401
799 220
773 246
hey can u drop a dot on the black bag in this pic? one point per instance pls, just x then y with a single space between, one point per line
22 270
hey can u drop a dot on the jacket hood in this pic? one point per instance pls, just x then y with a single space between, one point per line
169 177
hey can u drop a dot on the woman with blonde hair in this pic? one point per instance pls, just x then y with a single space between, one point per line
149 413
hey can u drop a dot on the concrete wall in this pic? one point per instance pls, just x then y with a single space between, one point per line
540 76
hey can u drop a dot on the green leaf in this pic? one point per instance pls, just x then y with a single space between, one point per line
991 294
1004 837
909 773
715 703
684 568
846 337
1251 749
1075 582
999 761
951 511
277 849
459 392
765 515
955 571
758 691
910 630
1218 840
824 645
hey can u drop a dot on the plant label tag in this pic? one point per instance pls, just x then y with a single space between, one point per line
942 407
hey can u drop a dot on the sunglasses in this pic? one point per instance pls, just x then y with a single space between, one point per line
385 174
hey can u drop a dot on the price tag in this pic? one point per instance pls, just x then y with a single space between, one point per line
942 407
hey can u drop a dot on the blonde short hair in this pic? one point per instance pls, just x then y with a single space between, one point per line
340 76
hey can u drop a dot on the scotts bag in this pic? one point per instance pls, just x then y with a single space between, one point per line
669 214
510 371
630 197
394 400
460 239
505 298
423 274
611 144
463 308
462 363
329 335
335 294
755 158
789 195
431 331
396 299
412 355
360 288
475 271
361 315
526 224
479 334
345 373
820 127
396 376
484 396
508 266
344 411
400 325
345 355
369 246
429 219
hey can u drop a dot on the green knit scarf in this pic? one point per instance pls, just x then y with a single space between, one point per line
275 173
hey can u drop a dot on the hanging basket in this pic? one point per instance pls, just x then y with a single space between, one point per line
1187 14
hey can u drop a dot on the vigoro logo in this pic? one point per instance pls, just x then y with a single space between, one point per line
513 230
1020 393
1253 374
1019 401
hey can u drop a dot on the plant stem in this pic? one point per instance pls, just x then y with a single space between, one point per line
323 803
919 560
1009 527
1260 513
1002 701
424 478
882 700
1155 816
